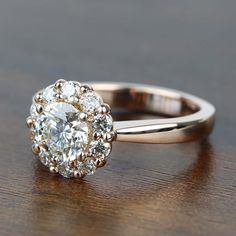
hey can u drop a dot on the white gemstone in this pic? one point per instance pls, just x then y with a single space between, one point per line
102 123
66 137
90 102
38 130
100 149
49 94
88 167
77 88
44 156
66 169
68 90
33 111
65 134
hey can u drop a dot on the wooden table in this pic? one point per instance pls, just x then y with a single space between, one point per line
179 189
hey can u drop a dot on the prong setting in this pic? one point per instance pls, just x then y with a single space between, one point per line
85 88
83 116
88 128
104 109
36 149
109 137
59 97
38 98
59 84
100 163
39 108
81 157
30 122
97 135
53 169
78 174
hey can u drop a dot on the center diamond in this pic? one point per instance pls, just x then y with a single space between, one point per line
66 136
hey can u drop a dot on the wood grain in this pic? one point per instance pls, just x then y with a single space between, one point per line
180 189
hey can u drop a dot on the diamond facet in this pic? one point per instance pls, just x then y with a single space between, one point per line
68 90
90 102
38 131
88 167
49 94
102 123
65 134
67 168
44 156
100 149
33 111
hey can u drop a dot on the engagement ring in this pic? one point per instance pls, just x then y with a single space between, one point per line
72 129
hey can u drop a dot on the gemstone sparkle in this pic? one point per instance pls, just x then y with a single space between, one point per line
66 141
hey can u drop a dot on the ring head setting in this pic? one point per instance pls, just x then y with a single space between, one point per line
69 126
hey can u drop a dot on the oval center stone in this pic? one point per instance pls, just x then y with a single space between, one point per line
65 135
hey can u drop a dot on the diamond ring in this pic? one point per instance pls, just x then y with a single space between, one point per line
72 129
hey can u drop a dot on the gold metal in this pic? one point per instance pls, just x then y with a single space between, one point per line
59 97
97 135
83 116
30 122
190 117
85 88
100 163
59 84
53 169
104 109
39 108
77 174
38 97
109 137
81 157
35 149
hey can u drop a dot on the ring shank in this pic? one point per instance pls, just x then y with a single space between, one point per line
190 117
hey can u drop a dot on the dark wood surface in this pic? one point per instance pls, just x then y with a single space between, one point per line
180 189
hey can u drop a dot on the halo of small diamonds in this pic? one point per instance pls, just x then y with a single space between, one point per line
69 129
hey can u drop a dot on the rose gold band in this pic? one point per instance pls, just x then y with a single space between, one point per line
190 117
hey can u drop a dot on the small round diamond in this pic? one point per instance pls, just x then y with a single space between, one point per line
90 102
88 167
68 90
100 149
67 169
49 94
102 123
44 156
